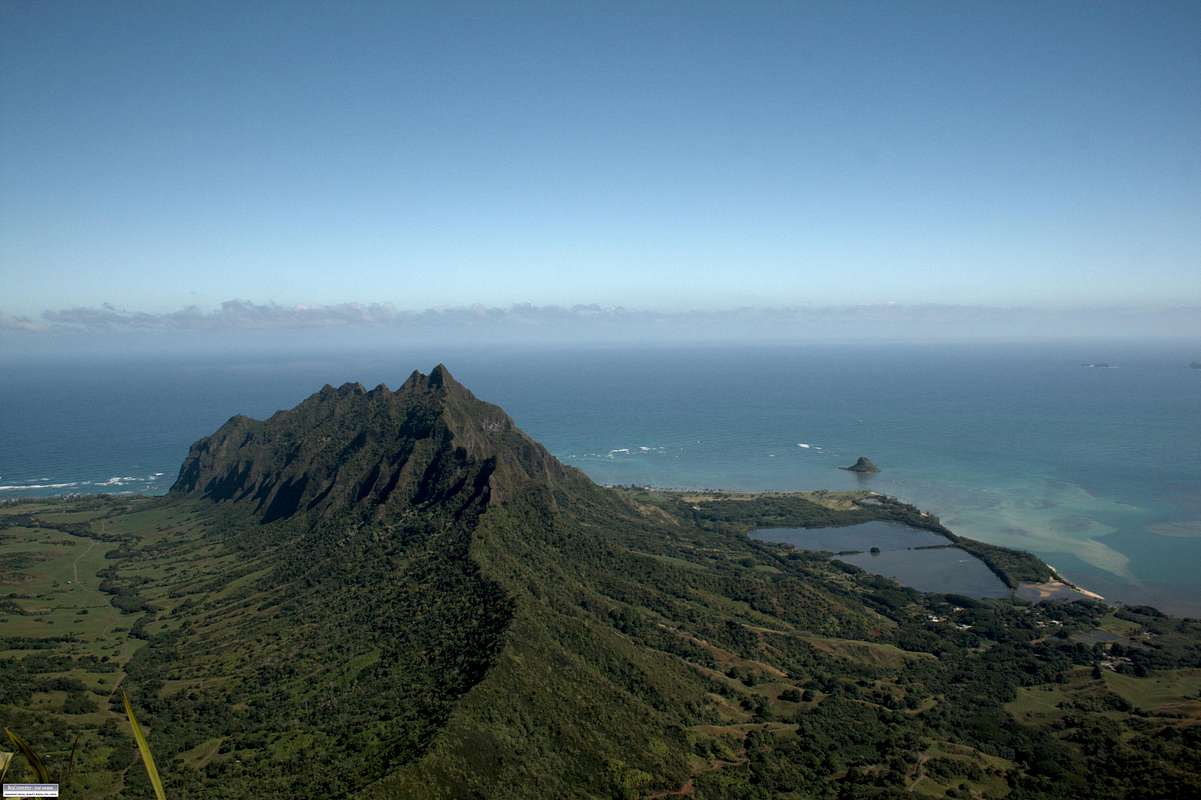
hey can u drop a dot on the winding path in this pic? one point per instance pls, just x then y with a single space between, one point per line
75 563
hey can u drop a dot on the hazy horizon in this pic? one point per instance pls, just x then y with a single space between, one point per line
244 327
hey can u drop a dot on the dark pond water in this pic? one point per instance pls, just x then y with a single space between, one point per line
946 569
884 535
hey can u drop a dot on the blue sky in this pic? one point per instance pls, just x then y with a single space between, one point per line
661 156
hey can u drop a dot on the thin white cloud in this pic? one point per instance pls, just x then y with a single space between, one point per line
24 324
616 322
231 315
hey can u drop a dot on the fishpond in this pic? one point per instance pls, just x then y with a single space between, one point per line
913 557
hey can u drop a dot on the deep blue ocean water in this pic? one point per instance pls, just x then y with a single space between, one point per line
1096 470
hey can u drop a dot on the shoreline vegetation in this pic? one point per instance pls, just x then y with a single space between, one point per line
1020 571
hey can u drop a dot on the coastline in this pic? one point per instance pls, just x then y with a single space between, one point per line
1015 568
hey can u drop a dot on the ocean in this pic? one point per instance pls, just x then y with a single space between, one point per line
1096 470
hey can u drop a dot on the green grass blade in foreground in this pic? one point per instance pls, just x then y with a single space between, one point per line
5 760
35 761
66 778
144 749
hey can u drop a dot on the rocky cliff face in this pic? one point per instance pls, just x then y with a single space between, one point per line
428 442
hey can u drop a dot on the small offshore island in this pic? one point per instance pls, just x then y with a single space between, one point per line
863 465
398 593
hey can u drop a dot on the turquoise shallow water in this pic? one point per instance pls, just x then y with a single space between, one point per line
1096 470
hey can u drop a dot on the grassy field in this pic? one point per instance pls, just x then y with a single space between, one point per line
947 766
1171 691
1162 700
68 640
1163 692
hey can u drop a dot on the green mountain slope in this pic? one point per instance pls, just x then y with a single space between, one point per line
388 594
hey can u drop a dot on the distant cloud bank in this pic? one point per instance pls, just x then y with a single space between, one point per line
615 323
230 315
11 323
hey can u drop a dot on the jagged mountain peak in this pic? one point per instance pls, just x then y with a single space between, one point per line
438 378
372 452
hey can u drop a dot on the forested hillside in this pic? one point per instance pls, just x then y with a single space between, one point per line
398 594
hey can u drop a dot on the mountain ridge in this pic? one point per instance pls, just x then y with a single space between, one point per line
349 446
397 593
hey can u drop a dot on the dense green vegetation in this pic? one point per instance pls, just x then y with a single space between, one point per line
494 625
